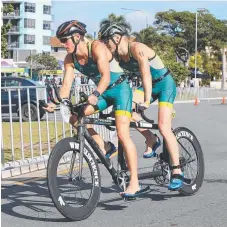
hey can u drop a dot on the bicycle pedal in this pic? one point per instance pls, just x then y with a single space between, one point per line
128 199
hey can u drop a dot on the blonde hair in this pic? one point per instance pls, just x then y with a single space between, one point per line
86 40
131 39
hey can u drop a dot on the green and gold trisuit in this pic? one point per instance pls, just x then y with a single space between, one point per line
163 85
120 95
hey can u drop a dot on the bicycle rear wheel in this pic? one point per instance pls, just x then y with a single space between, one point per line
76 199
191 160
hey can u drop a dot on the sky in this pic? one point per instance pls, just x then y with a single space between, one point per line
92 12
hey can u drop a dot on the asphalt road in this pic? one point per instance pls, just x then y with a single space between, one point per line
28 204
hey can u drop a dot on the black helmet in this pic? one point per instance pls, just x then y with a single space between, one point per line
108 30
68 28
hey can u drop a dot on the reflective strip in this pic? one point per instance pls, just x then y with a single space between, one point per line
122 113
139 91
97 111
168 104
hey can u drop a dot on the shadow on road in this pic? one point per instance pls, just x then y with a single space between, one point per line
210 181
32 201
33 198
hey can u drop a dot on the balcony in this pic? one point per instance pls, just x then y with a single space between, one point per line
12 15
13 45
29 42
14 30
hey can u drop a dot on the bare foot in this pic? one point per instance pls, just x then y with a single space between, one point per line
131 189
148 150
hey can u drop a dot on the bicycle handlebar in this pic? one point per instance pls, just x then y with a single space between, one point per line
56 92
145 118
83 101
141 111
73 108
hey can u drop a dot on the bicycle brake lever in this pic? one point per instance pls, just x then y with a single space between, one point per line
49 91
57 92
42 103
83 97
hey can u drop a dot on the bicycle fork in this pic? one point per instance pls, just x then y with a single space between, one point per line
81 130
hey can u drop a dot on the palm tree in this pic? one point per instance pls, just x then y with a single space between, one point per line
224 68
112 18
147 36
89 36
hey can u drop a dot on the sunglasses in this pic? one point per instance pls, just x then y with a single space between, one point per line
105 40
64 40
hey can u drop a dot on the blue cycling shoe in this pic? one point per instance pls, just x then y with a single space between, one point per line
136 194
154 148
176 182
112 150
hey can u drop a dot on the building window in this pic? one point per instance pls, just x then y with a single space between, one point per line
46 40
46 9
29 7
46 25
29 23
55 49
29 39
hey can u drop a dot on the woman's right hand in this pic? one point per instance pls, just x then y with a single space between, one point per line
50 107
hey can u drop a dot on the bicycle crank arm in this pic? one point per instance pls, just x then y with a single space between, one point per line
152 174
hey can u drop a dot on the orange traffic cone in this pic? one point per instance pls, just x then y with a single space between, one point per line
196 102
223 100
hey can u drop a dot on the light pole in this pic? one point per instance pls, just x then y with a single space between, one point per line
196 37
224 68
139 11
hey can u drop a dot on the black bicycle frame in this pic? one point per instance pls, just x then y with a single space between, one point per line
84 134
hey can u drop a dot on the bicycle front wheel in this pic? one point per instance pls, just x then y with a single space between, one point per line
75 197
191 160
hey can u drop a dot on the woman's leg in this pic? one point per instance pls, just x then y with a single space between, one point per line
165 123
123 131
138 97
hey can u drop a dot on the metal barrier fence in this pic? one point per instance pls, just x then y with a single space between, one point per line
202 93
30 142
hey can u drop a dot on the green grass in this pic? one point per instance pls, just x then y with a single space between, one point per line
26 138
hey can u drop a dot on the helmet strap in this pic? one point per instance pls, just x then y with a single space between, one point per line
75 44
116 51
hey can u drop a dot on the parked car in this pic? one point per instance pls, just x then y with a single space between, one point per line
18 82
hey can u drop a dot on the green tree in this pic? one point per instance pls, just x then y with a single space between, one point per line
112 18
42 61
178 70
146 36
151 37
7 8
212 65
199 62
211 31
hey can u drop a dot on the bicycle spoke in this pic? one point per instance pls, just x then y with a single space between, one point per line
75 191
189 159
